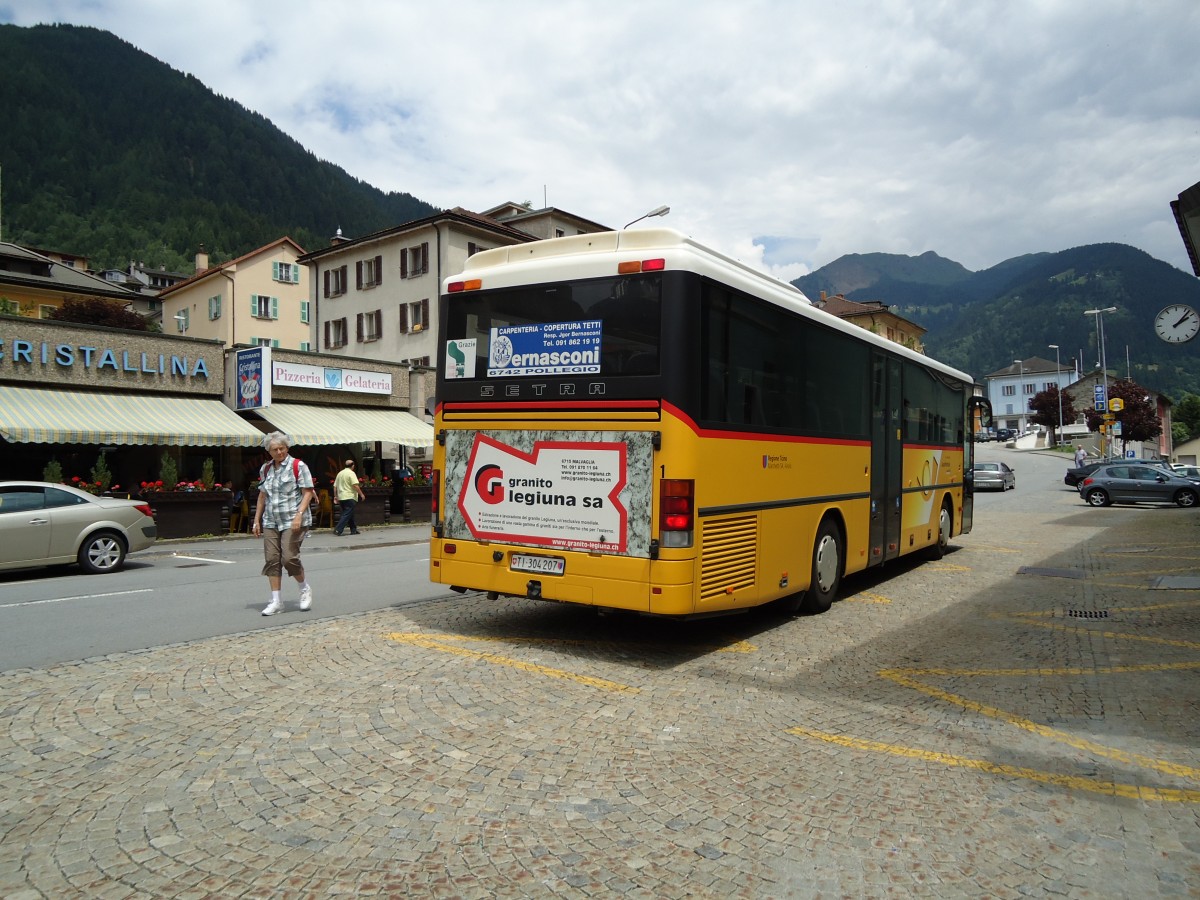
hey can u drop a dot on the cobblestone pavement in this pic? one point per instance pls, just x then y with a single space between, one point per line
1018 719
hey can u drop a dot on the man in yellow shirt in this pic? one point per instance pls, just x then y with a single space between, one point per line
347 491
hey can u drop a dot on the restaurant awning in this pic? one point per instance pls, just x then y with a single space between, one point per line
320 426
38 416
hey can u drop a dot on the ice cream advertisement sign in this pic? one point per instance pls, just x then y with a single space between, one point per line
558 494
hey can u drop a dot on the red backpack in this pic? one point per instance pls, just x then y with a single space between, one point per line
262 473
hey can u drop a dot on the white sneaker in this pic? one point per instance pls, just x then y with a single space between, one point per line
273 607
306 598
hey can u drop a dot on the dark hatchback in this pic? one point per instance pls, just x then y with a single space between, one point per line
1137 483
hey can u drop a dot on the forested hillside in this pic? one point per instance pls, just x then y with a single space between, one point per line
109 153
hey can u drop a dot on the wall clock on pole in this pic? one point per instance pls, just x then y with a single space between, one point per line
1177 323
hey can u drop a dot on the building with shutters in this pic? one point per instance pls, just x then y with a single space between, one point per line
259 299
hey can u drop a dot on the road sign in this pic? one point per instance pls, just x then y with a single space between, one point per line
1099 398
1116 404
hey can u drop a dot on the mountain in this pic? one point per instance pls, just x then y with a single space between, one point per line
111 154
981 321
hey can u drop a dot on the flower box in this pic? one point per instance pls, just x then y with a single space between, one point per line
181 514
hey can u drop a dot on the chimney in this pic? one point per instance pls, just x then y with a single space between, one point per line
201 259
337 239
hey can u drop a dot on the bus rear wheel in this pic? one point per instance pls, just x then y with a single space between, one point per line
826 575
945 524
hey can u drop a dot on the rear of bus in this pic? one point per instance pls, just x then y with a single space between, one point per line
553 368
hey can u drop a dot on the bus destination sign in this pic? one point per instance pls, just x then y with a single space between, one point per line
551 348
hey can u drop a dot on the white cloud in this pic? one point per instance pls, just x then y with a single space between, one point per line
785 134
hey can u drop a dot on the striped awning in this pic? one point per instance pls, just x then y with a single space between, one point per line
323 426
38 416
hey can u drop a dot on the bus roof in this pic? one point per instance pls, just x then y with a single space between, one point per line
591 256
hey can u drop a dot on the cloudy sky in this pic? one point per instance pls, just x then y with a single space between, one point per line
786 133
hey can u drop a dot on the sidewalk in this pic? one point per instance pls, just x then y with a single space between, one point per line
319 540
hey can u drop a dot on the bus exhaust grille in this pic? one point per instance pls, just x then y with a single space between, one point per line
730 555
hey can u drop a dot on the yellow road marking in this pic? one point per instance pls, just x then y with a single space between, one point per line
1131 791
431 643
868 597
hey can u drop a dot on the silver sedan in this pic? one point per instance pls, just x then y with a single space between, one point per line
44 524
994 476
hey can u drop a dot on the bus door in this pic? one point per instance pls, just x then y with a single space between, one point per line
886 458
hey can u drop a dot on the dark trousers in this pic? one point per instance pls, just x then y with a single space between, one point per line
347 517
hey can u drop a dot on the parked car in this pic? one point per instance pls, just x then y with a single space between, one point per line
1187 471
993 476
1078 473
44 524
1137 483
1005 434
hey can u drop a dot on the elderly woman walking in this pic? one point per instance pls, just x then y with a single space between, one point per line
282 516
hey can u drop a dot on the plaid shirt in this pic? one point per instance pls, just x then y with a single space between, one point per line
284 494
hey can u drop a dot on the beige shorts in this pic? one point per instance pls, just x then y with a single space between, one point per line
282 551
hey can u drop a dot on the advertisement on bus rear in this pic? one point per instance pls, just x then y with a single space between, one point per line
568 490
553 348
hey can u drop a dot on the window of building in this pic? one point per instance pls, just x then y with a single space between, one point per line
45 312
264 307
414 316
473 248
288 273
1029 389
263 342
370 325
414 261
305 346
1009 390
335 281
214 307
305 305
183 318
558 232
368 272
335 334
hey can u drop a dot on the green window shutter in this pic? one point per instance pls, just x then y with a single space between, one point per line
305 346
274 307
275 271
304 311
275 343
295 273
254 305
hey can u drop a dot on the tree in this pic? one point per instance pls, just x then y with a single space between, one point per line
1187 414
1139 419
1045 409
98 311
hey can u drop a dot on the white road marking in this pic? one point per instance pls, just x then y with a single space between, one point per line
80 597
224 562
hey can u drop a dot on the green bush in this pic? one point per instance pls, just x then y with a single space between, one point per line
168 472
53 472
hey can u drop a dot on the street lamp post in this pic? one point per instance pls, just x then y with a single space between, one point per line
658 211
1021 394
1099 314
1058 385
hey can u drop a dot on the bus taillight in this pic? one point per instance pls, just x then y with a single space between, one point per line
676 512
471 284
632 267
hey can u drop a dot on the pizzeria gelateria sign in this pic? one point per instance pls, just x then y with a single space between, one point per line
328 378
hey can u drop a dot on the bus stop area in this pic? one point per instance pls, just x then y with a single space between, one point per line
1017 719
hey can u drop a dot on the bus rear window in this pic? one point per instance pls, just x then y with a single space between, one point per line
609 326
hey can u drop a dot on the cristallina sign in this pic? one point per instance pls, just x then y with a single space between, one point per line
67 356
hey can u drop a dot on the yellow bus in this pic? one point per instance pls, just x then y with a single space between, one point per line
630 420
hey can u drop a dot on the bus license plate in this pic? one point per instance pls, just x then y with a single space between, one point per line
542 565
